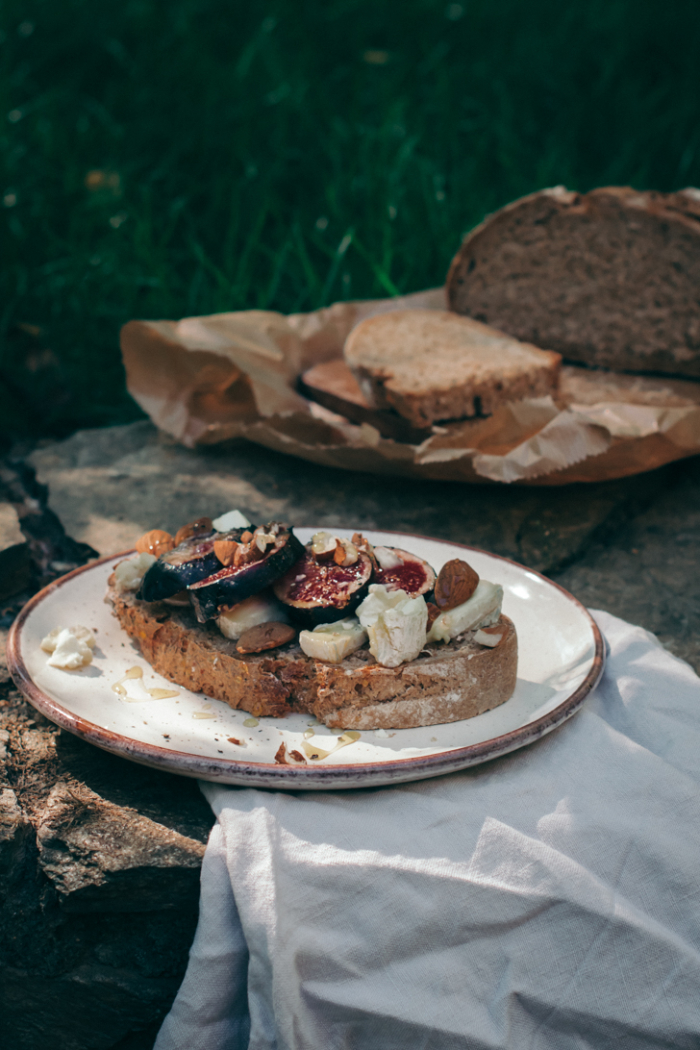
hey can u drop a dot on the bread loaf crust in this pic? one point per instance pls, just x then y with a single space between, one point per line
609 278
458 680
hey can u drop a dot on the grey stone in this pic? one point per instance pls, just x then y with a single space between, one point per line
649 571
109 486
104 857
99 872
15 563
14 834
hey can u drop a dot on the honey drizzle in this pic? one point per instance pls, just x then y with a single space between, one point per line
318 753
154 694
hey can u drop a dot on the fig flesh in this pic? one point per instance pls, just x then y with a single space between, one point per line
412 574
322 591
232 584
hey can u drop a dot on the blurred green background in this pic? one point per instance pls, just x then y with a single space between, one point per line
161 159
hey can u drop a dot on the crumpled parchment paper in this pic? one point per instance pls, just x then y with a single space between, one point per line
205 380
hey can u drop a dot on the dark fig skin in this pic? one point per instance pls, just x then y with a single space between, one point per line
231 585
190 561
334 593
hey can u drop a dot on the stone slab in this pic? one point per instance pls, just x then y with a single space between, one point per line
99 884
648 572
108 486
15 563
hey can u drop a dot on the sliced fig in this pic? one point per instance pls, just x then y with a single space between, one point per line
401 571
193 559
318 592
173 571
268 552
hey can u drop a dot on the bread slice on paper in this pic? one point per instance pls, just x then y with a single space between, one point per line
432 365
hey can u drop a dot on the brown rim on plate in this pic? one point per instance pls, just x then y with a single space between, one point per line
265 774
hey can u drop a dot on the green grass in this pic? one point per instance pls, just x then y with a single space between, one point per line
287 154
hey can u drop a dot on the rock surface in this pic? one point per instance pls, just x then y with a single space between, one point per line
99 858
109 486
99 884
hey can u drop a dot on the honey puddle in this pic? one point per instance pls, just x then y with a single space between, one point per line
316 753
153 694
251 723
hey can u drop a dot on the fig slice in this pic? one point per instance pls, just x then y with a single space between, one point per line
412 574
191 560
232 584
317 592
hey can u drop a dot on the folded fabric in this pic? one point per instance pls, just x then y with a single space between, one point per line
549 899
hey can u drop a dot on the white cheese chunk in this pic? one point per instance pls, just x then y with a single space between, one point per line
232 519
481 610
260 608
70 652
332 642
83 633
130 573
395 623
386 558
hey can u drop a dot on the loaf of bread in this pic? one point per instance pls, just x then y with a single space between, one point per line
432 365
445 684
607 278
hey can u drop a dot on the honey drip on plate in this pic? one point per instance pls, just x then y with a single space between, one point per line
251 723
317 753
154 694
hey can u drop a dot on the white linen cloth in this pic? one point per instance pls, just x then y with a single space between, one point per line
548 900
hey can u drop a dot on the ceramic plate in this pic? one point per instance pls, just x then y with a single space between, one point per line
560 660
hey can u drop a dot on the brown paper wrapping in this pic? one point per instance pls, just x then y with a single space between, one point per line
209 379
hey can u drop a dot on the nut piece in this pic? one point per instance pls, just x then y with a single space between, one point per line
455 584
291 758
155 542
265 636
225 551
433 613
195 528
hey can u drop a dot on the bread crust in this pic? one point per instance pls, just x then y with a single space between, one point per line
607 278
456 681
433 366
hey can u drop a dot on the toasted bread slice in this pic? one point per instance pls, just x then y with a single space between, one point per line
432 365
607 278
445 684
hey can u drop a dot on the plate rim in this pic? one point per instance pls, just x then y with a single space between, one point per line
295 777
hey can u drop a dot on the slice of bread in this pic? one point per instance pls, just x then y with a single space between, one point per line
607 278
432 365
445 684
334 386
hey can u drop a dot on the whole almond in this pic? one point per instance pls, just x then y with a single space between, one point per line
225 551
195 528
265 636
155 542
455 584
